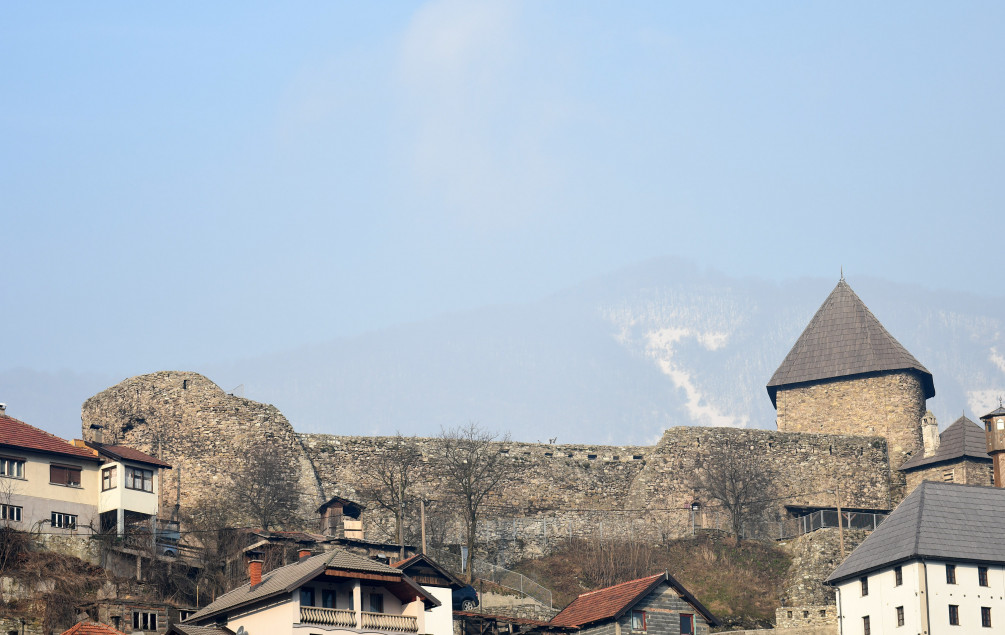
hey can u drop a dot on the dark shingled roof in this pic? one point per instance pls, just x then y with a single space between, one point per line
844 338
942 521
1000 410
962 439
190 629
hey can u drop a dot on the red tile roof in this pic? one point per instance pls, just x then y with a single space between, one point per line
18 434
91 628
605 603
121 452
613 601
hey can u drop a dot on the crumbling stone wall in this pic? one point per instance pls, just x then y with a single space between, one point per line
889 405
186 420
814 557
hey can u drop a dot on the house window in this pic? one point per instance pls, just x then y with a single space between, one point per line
376 602
638 620
986 616
866 628
947 476
328 598
12 468
900 616
11 513
108 478
64 475
140 479
865 585
898 576
954 614
306 596
950 574
144 621
63 521
982 576
686 624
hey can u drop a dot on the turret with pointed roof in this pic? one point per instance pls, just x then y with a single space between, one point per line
847 375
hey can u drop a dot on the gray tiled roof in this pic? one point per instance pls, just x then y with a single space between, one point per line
190 629
285 579
944 521
962 439
844 338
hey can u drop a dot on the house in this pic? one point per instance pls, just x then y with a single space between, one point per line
655 605
333 592
69 487
439 583
92 628
958 455
937 562
340 518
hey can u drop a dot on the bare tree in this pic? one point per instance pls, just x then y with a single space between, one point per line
472 468
740 480
265 487
390 478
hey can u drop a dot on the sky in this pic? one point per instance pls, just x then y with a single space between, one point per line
184 184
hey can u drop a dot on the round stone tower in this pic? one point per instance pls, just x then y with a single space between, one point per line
847 375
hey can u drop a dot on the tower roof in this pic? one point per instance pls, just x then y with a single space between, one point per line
843 339
963 439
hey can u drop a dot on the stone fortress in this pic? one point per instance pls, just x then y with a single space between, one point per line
850 404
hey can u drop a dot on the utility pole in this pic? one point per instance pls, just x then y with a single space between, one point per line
837 493
422 517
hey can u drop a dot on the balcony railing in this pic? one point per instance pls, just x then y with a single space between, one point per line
328 617
388 622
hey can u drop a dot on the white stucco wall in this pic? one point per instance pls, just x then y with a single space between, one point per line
884 597
39 498
120 497
440 619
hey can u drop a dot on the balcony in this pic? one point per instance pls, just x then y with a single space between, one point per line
391 623
328 617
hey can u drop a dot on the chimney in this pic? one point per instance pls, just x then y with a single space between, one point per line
254 567
3 409
97 432
930 433
303 553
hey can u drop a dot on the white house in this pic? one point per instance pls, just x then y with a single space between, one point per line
334 592
439 583
936 565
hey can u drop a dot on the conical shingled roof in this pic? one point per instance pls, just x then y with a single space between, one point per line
844 338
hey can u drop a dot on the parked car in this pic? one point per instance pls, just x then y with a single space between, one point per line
465 598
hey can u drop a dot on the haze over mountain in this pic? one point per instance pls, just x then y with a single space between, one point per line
615 360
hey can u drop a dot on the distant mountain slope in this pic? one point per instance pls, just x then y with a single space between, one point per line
615 360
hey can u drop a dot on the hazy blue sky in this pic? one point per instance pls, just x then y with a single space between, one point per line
196 182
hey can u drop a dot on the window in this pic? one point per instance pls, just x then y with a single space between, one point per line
64 475
986 616
866 628
144 621
63 521
954 614
806 615
950 574
108 478
686 624
982 576
12 468
947 476
865 585
306 596
898 576
376 602
900 616
11 513
328 598
140 479
638 620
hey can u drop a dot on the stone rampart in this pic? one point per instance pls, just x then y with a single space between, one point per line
188 421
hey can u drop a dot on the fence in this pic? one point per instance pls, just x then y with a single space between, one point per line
828 518
495 574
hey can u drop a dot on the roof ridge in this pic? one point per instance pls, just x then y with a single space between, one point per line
40 430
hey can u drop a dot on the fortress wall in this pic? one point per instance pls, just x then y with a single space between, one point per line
188 421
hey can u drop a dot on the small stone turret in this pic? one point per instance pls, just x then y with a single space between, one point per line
930 434
994 431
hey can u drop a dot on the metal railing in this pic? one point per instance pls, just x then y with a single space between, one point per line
828 518
328 617
389 622
495 574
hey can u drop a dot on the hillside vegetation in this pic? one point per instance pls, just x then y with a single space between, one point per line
739 584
